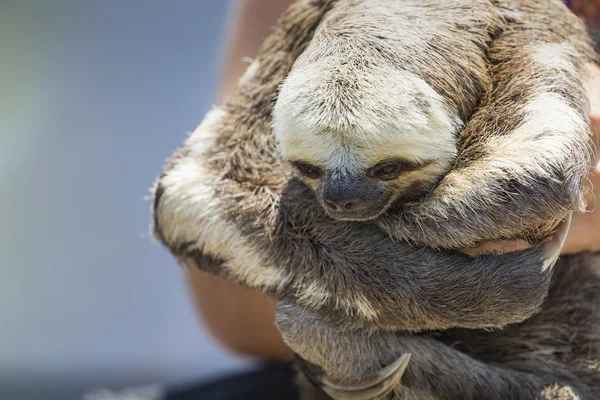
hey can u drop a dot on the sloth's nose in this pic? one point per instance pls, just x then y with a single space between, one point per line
342 203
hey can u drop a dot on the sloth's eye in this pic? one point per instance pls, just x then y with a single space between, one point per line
391 169
308 170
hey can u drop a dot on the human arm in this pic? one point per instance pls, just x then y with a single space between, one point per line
241 319
585 228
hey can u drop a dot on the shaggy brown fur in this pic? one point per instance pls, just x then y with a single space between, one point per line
492 183
227 201
553 355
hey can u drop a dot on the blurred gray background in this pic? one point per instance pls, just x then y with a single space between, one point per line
94 95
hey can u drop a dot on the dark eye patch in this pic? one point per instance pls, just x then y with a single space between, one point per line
307 170
392 168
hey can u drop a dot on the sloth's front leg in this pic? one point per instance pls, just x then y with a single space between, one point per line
350 364
524 155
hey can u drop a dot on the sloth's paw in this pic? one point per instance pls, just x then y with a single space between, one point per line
375 388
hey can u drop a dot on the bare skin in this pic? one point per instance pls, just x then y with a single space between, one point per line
242 320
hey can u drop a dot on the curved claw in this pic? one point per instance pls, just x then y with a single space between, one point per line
554 245
375 389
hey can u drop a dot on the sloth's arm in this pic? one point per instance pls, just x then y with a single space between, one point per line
342 270
351 364
524 155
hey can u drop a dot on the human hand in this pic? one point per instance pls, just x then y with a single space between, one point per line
585 228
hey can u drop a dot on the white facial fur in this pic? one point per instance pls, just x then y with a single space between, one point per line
348 119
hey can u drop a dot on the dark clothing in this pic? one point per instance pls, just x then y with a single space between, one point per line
271 382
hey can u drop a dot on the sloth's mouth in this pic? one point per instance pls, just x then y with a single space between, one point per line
374 208
364 214
354 217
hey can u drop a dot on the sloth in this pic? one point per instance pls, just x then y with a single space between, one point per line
431 126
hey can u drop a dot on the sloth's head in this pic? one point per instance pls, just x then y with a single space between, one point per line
363 139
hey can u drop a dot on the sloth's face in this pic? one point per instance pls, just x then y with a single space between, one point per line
363 139
365 194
